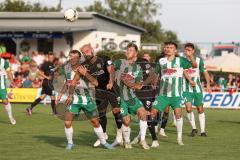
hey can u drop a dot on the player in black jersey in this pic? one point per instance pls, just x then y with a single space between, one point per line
100 67
46 71
147 96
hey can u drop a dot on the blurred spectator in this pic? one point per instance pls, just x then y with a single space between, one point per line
222 82
147 56
18 80
25 67
38 58
62 58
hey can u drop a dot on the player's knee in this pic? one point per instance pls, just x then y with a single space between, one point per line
5 102
200 110
142 114
115 110
154 113
178 115
95 123
126 120
189 110
68 124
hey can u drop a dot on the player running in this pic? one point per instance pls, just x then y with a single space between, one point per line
171 69
195 94
46 71
100 67
129 77
5 73
81 86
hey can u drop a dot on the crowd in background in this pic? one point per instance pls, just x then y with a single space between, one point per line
25 69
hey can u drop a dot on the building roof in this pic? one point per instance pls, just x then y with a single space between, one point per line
54 22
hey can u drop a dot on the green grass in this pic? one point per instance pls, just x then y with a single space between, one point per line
42 137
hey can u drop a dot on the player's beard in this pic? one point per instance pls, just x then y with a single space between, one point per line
88 57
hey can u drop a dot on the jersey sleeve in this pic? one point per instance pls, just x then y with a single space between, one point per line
139 77
6 65
157 68
201 66
117 64
185 64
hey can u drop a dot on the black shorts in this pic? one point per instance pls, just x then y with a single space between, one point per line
47 88
147 97
103 98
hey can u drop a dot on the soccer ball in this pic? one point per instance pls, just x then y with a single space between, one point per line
71 15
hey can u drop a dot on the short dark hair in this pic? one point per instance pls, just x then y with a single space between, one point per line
171 43
75 52
190 45
50 54
132 45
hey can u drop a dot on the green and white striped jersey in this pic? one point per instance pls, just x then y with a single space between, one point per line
171 75
84 88
133 70
194 73
4 66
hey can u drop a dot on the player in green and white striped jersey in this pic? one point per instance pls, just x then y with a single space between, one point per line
195 93
5 73
171 69
81 97
128 78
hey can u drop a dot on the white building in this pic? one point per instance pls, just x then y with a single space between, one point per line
48 31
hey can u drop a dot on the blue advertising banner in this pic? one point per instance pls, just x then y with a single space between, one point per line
222 100
31 35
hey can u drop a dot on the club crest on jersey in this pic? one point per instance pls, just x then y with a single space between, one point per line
99 65
175 66
163 61
147 66
109 62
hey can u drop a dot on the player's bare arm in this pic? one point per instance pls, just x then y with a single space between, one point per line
188 78
111 72
83 71
130 84
10 77
207 77
40 73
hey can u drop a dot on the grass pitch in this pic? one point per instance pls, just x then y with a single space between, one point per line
41 137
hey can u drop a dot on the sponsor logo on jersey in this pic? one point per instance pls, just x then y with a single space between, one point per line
163 61
191 71
169 71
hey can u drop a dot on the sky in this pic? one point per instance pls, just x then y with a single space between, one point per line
192 20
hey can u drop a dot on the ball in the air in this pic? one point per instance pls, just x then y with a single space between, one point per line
71 15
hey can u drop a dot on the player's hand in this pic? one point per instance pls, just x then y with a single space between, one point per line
82 70
109 86
58 99
13 85
126 77
138 86
192 83
48 77
69 100
208 88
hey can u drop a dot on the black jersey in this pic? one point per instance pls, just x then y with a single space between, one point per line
97 67
147 93
47 68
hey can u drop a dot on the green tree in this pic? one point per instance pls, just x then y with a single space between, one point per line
21 6
141 13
